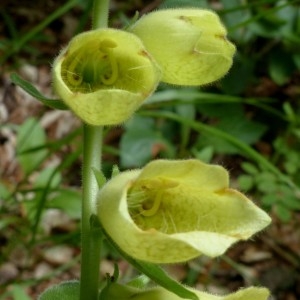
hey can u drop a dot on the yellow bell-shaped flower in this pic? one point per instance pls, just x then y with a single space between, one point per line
104 75
116 291
251 293
173 211
190 45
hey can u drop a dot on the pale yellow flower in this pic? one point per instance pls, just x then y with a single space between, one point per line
173 211
116 291
104 75
190 44
251 293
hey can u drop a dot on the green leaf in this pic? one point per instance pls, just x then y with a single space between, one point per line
138 146
68 201
18 293
140 122
47 181
234 14
204 154
246 182
290 112
186 111
30 147
292 165
156 273
242 72
31 90
48 177
288 14
283 213
68 290
266 182
230 118
296 59
6 222
291 203
281 66
250 168
4 191
269 200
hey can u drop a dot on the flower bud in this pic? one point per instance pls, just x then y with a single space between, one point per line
104 75
190 45
173 211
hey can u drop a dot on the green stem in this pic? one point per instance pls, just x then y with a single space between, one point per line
92 147
100 13
90 239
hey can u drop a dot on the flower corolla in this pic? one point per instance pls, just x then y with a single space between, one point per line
117 291
104 75
173 211
189 44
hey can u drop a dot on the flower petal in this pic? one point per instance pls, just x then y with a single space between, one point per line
117 291
251 293
190 173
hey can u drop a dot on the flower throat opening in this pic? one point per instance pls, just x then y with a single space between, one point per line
91 67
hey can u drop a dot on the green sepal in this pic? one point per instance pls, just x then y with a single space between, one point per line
31 90
115 171
116 273
156 273
67 290
132 20
139 282
113 291
100 177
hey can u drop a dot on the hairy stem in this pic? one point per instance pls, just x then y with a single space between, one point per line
100 13
91 239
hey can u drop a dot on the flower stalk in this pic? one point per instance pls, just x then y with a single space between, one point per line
90 238
92 149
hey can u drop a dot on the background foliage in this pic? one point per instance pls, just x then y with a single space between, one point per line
248 122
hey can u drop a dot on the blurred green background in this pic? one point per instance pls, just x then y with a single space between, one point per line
248 122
